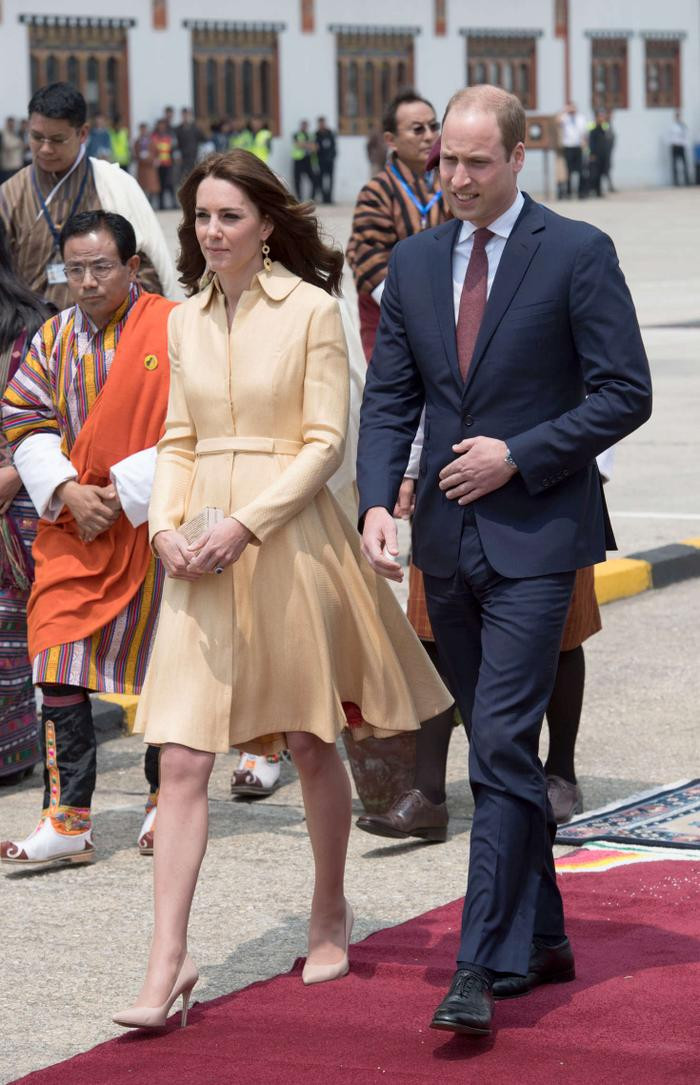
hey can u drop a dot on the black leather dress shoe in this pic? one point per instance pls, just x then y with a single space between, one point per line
548 964
467 1007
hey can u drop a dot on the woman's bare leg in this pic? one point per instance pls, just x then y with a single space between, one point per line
327 802
180 842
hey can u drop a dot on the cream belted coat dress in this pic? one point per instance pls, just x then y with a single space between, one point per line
299 624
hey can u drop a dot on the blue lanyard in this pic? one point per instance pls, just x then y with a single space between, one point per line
423 208
47 214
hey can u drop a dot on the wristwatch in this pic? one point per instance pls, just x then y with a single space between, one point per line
509 459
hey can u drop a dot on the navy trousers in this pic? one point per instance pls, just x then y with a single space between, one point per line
499 640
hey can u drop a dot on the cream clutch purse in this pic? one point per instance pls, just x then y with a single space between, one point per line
205 520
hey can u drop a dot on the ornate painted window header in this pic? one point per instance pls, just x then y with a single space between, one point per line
76 21
349 29
499 32
227 24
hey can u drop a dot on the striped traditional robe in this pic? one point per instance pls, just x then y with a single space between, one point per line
385 214
30 239
53 392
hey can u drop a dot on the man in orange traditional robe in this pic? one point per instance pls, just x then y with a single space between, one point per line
83 415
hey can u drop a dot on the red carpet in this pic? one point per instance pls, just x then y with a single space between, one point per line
631 1018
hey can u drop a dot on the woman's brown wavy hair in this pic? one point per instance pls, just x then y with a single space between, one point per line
295 241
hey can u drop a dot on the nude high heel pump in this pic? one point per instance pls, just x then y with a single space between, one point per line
156 1016
320 973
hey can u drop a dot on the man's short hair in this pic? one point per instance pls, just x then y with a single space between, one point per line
88 222
404 97
60 102
508 110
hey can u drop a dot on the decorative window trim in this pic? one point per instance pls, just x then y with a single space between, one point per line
664 35
499 32
609 34
230 24
76 21
391 31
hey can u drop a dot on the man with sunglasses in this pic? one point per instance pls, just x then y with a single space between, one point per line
82 415
399 201
64 180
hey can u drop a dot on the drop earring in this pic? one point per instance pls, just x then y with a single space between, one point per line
267 262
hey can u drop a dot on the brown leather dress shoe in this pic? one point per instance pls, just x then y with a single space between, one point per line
411 815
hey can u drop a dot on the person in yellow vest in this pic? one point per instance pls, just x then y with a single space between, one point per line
243 138
121 143
304 160
262 140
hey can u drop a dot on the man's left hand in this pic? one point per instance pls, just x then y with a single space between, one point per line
480 468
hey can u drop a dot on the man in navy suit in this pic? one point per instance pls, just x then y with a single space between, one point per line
515 329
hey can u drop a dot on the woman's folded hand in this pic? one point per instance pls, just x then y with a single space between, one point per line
219 547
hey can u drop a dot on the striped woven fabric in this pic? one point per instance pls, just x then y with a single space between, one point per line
384 215
31 242
66 366
114 659
19 726
53 392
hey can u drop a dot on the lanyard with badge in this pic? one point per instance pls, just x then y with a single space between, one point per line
423 208
56 271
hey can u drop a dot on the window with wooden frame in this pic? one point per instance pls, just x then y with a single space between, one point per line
663 73
92 54
372 65
235 72
508 61
609 73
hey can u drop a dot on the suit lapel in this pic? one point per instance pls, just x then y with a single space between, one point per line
443 294
520 248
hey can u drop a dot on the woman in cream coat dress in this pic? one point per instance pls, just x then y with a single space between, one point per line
296 634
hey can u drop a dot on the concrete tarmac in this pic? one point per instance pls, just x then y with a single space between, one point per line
75 940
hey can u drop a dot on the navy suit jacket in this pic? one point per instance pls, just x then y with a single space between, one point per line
559 373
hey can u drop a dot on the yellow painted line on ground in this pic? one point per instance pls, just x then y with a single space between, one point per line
619 578
692 542
128 702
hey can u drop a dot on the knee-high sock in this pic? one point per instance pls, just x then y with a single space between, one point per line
564 713
432 745
151 768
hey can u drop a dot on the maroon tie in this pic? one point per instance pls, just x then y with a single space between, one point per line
473 300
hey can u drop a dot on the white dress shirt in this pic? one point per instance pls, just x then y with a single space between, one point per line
573 129
501 228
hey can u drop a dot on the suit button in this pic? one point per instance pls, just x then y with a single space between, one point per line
468 420
545 482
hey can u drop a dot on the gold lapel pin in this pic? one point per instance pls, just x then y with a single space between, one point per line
150 361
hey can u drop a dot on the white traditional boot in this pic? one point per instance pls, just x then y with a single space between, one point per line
147 829
256 775
47 847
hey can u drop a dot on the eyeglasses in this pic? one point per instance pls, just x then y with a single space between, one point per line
419 129
76 272
53 141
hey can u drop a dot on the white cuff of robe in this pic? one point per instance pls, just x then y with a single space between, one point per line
133 480
377 292
42 468
605 463
416 450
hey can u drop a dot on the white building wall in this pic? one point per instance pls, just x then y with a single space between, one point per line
160 64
